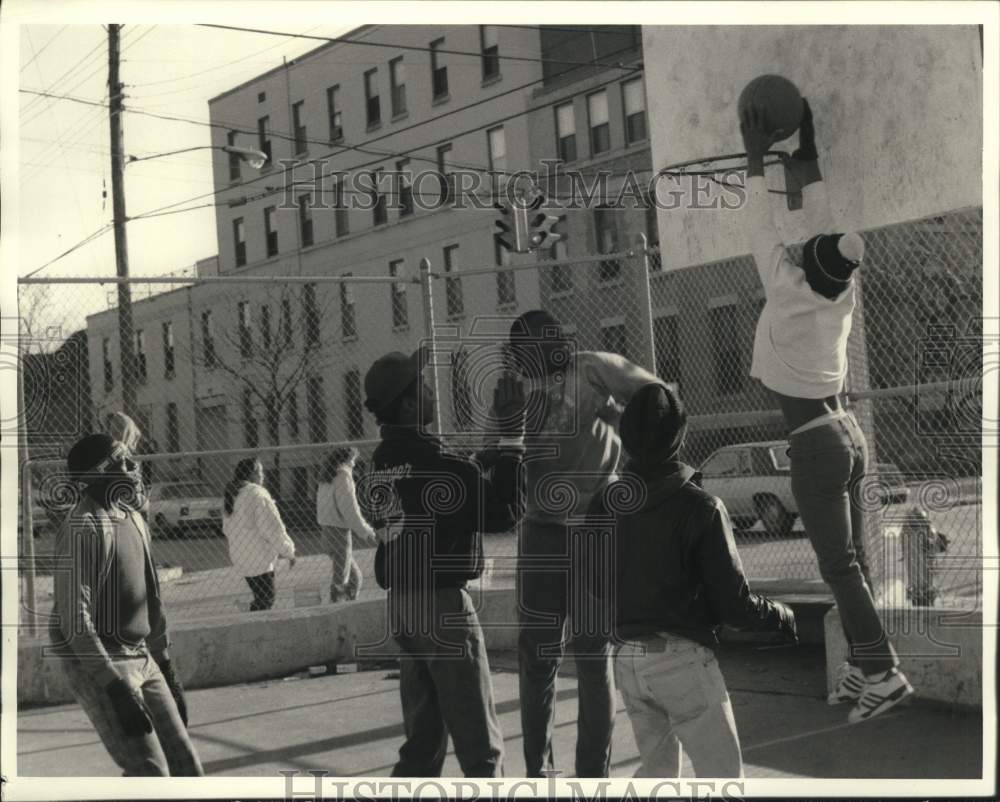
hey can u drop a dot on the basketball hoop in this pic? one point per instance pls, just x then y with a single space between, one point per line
723 170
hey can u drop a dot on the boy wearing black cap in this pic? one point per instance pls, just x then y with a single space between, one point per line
674 578
435 505
800 354
107 628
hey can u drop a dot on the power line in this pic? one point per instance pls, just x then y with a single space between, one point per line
106 228
444 51
44 47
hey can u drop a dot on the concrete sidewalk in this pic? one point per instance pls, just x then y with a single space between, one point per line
350 724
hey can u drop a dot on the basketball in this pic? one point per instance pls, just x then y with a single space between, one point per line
778 98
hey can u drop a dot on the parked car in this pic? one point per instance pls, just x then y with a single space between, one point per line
754 482
180 508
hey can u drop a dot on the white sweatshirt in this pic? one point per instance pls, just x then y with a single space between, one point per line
337 505
255 532
800 348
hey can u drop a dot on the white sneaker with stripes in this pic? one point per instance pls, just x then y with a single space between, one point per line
879 695
850 684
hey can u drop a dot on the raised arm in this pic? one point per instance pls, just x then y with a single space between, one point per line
766 245
613 375
804 166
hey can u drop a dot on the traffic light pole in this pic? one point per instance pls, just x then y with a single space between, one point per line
125 327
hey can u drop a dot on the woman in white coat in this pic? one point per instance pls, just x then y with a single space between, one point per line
257 537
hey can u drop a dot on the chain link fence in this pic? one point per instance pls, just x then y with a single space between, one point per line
273 367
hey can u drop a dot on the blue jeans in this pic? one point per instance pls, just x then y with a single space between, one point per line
444 685
827 463
551 592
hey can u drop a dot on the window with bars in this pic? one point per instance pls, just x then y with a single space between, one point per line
270 231
506 282
310 315
251 435
239 242
397 296
265 326
445 177
380 211
566 132
169 366
397 86
404 190
600 128
292 413
316 409
286 321
264 138
109 370
333 112
173 429
497 144
634 105
606 236
489 43
373 106
348 320
454 303
667 342
245 335
341 220
234 159
727 352
299 129
305 221
352 405
439 71
207 339
140 356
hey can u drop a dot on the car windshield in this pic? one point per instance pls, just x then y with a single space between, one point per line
781 459
185 491
722 463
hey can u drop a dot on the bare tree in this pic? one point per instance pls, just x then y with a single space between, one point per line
34 303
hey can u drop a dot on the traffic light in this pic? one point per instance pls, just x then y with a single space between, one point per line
541 234
513 226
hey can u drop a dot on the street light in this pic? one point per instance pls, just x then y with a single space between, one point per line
255 158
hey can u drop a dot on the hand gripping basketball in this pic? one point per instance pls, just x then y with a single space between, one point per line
757 136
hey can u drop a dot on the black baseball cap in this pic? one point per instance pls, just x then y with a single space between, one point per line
390 375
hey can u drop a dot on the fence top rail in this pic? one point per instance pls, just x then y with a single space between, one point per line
567 262
219 280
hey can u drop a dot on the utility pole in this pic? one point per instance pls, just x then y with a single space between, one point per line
125 335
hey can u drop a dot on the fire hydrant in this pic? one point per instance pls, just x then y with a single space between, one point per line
921 542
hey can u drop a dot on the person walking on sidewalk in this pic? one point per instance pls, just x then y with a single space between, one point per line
108 629
573 404
340 518
435 505
800 354
674 577
255 532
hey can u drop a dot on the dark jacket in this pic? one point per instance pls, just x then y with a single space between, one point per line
676 568
435 505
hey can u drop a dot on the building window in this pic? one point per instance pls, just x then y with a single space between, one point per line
316 409
614 338
240 242
250 435
352 405
506 286
245 335
606 235
397 84
497 144
299 128
341 221
397 290
380 212
140 355
668 358
447 180
452 283
168 350
348 321
566 132
265 327
600 130
333 113
234 159
109 371
264 138
634 103
726 351
173 429
489 45
310 315
261 97
300 484
270 232
373 108
207 339
292 404
305 221
286 321
561 275
439 71
404 187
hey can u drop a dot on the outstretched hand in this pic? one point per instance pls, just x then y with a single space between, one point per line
757 135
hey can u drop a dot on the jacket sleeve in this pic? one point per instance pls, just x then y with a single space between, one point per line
347 503
269 520
503 495
157 640
816 205
729 596
766 245
613 375
77 581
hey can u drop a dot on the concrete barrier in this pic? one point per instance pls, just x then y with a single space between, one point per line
940 651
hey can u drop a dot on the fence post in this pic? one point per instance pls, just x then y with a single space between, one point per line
647 342
428 301
27 548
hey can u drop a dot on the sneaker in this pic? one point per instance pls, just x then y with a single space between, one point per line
879 695
850 684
